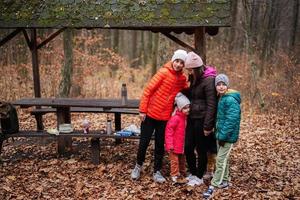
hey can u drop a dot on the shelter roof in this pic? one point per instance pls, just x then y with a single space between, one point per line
118 14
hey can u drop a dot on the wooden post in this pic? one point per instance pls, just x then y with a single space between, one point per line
1 143
200 44
95 145
118 126
63 116
39 121
35 64
36 76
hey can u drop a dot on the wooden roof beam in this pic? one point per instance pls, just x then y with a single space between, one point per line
10 36
51 37
27 39
178 41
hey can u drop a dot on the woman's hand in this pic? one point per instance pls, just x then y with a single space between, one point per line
206 133
142 116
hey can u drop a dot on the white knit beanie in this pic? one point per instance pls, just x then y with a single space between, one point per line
181 100
179 54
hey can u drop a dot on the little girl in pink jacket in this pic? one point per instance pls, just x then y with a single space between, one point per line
174 137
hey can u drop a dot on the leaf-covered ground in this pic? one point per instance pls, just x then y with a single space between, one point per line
265 164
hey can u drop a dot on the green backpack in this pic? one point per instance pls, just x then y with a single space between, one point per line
8 118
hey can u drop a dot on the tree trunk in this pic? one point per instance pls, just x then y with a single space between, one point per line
254 91
115 40
236 41
286 24
155 53
149 47
296 35
270 37
121 50
106 38
67 69
134 58
142 51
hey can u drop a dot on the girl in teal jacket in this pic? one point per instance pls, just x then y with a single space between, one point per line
227 131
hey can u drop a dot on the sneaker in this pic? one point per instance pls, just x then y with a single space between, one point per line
224 185
158 177
208 175
136 172
209 192
192 183
194 180
199 180
189 177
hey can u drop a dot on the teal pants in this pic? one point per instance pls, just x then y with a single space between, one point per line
222 165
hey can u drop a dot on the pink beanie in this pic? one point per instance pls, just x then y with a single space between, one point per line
193 61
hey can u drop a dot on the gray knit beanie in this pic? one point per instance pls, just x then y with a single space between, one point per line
222 78
181 100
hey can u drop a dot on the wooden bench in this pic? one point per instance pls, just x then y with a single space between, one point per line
94 135
42 111
39 112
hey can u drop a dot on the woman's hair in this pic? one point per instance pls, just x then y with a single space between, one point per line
195 78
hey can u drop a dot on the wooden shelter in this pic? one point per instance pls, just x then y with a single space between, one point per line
165 16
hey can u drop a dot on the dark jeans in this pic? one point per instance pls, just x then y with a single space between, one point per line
195 139
148 126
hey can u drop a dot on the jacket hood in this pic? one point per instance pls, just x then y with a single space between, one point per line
181 114
235 94
210 71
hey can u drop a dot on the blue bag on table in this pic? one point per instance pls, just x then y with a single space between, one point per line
124 133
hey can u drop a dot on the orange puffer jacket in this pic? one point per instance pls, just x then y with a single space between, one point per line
158 97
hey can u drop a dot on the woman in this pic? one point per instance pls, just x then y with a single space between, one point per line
201 121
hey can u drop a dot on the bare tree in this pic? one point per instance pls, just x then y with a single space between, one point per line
154 53
67 69
254 90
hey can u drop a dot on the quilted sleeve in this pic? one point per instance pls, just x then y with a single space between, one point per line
150 88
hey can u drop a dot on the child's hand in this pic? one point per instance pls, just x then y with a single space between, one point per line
221 143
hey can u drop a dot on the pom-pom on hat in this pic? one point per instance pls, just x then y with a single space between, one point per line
222 78
179 54
193 61
181 100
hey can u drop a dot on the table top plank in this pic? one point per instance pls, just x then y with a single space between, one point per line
87 110
71 102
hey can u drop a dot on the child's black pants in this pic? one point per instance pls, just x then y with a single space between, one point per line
148 126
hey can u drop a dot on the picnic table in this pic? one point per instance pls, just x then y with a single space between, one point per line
63 108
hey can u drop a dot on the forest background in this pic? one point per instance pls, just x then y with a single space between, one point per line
259 52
